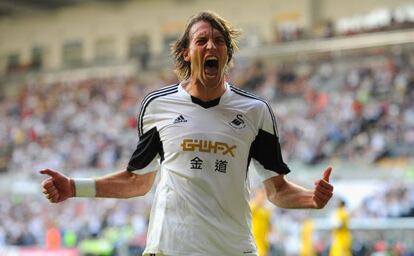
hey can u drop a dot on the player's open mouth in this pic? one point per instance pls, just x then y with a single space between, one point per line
211 66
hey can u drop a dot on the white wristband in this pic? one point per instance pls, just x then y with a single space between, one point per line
85 187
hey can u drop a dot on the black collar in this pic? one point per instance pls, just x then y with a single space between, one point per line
205 104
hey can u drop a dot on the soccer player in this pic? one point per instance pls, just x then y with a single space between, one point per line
261 222
341 234
307 247
201 135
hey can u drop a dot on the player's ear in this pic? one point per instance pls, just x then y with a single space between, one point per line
186 56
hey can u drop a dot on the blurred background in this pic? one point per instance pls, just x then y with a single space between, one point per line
338 74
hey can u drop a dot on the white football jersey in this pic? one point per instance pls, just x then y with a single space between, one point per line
203 151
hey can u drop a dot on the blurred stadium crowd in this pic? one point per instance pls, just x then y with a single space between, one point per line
356 109
379 20
353 109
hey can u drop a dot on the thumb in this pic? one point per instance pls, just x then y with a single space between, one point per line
326 174
49 172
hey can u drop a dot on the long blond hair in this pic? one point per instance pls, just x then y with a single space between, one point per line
182 67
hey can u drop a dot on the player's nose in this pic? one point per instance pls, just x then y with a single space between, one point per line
210 44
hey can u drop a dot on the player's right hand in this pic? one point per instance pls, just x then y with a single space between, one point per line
57 187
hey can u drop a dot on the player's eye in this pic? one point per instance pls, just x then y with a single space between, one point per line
201 41
220 40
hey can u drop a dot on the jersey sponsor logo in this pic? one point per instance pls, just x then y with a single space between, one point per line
196 163
220 166
180 119
208 146
238 122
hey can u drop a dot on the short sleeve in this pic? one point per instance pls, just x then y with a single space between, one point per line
149 151
265 150
147 154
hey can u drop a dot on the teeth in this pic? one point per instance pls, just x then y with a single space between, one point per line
211 58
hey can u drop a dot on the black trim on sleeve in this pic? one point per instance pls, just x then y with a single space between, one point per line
266 150
147 149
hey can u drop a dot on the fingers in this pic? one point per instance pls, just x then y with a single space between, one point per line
323 193
51 173
320 202
324 185
54 195
321 198
327 173
47 183
50 191
53 198
323 190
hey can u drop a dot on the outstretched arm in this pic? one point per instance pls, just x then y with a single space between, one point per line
286 194
122 184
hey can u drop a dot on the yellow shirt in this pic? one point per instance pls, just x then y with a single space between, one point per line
307 248
261 228
341 235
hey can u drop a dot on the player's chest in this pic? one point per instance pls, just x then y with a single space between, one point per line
216 124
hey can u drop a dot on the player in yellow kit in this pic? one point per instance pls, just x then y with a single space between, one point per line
341 235
307 247
261 222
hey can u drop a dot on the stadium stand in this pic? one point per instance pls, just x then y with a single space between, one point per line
352 109
358 110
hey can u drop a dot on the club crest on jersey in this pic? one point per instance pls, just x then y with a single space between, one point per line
208 146
238 122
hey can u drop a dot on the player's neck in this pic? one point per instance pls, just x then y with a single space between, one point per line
205 93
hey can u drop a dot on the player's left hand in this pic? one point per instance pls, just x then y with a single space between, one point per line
323 190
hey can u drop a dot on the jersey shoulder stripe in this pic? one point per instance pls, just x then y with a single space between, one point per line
252 96
163 89
150 97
